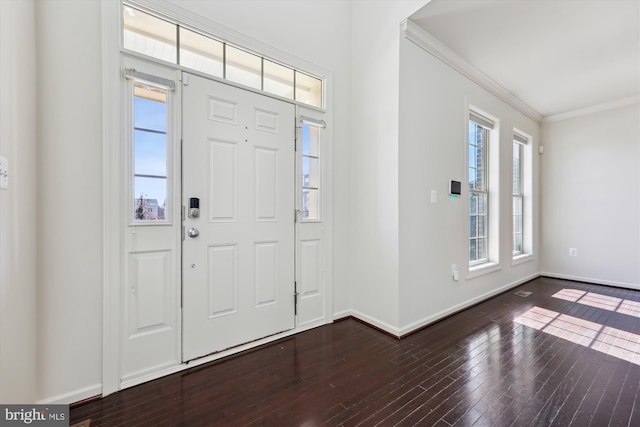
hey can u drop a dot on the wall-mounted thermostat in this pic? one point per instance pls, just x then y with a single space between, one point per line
455 188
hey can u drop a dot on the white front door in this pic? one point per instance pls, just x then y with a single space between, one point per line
238 162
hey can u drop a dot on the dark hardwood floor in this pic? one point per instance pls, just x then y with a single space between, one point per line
566 355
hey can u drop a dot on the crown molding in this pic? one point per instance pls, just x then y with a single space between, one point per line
612 105
414 33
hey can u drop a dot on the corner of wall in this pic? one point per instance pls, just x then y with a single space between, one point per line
18 379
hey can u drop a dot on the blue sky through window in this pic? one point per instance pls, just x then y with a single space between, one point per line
150 149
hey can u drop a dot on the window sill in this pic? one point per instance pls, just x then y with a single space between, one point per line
482 269
521 259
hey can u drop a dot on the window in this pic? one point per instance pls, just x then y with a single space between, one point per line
243 67
278 79
201 53
479 138
483 168
149 35
308 89
521 199
170 42
517 198
149 152
310 136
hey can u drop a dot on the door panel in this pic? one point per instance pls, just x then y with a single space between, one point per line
150 292
310 233
238 160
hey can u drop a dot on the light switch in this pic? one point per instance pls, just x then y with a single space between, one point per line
4 173
434 196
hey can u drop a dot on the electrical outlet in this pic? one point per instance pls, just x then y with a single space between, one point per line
573 251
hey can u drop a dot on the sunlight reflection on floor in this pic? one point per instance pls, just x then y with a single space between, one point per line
614 342
623 306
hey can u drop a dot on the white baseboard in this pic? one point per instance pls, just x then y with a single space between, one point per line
595 281
433 318
451 310
376 322
342 314
73 396
133 380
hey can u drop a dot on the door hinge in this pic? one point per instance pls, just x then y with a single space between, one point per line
185 79
295 298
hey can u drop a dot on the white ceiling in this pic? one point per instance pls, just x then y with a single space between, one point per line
557 56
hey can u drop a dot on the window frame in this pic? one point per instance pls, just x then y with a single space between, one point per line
129 8
492 168
480 193
156 82
517 199
320 125
526 143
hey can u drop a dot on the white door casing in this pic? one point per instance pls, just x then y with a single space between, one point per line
238 160
115 226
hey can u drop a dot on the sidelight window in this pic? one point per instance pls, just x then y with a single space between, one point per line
311 166
149 152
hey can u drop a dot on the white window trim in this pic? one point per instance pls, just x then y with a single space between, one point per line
493 236
521 158
527 253
482 269
171 139
521 259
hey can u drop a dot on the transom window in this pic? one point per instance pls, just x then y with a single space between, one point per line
171 42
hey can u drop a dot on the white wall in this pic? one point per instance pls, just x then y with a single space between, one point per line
18 203
591 197
69 198
373 207
433 125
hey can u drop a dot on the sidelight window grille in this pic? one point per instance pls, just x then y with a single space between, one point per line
149 152
310 171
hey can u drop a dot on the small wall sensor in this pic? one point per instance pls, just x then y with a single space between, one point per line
455 188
